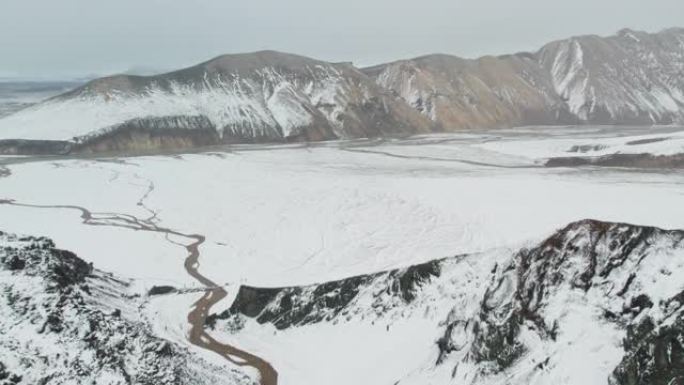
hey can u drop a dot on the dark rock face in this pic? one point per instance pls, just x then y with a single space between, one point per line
61 321
296 306
653 354
621 160
529 311
8 378
160 290
582 258
60 268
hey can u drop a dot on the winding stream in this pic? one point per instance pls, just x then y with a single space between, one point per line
197 316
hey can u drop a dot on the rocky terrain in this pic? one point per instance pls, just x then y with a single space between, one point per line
63 321
259 97
490 92
297 306
596 302
614 278
630 78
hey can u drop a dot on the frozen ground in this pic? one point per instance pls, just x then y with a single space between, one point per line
294 215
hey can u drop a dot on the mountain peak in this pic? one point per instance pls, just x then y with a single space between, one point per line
631 78
237 63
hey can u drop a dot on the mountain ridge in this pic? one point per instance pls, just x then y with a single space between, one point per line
629 78
601 296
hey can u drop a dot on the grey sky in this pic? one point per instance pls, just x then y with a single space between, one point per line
50 38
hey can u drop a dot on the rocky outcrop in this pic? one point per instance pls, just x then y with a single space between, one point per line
603 296
63 321
654 351
619 272
151 134
330 301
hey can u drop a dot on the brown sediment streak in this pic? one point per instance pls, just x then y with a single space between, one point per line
198 335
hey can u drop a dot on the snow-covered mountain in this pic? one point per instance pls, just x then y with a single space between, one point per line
594 303
483 93
64 322
630 78
263 96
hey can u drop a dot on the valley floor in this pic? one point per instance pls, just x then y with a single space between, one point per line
297 215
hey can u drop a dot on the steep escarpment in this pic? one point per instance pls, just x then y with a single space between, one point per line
63 321
594 303
654 353
297 306
603 296
489 92
259 97
630 78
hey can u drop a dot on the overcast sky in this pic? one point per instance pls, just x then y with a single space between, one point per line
66 38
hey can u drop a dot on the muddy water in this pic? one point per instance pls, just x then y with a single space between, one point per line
197 317
198 335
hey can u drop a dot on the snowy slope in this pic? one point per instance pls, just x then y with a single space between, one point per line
633 77
594 303
64 322
263 96
489 92
630 78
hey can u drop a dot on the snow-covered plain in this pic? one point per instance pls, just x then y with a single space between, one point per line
294 215
657 141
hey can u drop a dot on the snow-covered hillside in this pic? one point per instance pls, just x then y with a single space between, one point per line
630 78
627 79
594 303
489 92
263 96
64 322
